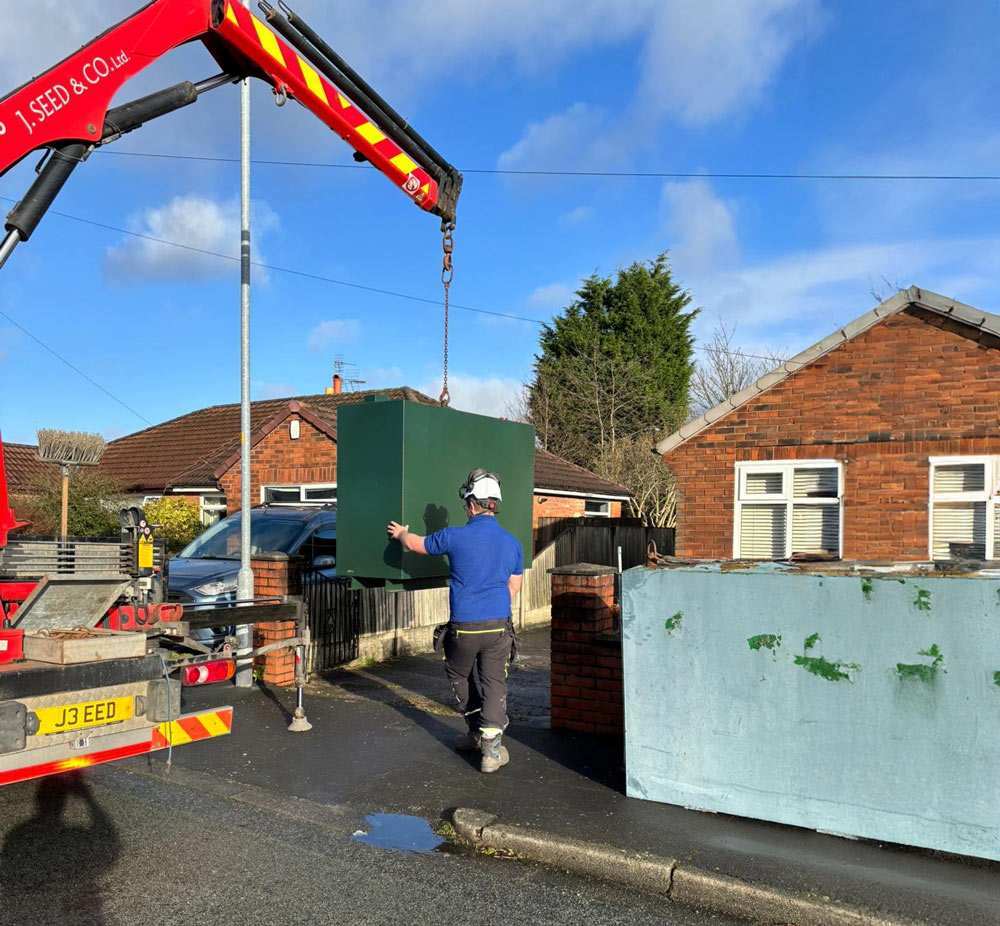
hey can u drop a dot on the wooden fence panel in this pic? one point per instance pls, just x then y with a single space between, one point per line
589 542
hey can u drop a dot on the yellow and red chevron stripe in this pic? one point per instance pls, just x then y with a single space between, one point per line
193 727
287 71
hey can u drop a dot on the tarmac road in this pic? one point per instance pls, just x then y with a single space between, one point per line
128 847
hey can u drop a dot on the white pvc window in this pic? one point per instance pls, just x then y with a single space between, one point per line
595 508
318 493
784 508
964 510
211 509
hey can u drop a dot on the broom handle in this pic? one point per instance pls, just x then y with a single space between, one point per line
64 519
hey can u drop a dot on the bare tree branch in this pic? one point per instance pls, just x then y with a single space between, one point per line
725 370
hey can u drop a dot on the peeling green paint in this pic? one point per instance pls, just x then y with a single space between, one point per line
832 671
672 623
769 641
867 587
923 600
996 679
921 671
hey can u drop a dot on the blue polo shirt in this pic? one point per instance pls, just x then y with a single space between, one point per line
482 557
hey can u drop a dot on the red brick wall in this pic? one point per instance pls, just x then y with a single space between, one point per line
587 688
914 386
276 575
279 460
563 506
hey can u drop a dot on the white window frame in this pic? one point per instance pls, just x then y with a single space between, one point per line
208 508
596 514
990 495
301 487
787 469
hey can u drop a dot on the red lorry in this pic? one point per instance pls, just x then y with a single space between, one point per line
92 663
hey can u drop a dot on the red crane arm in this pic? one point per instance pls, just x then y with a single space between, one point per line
8 522
70 102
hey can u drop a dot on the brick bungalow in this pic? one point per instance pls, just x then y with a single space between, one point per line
24 472
294 459
880 442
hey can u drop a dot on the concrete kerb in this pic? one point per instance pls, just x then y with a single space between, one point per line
681 883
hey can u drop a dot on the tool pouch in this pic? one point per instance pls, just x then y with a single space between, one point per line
439 635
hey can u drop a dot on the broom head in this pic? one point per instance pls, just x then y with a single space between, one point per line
70 448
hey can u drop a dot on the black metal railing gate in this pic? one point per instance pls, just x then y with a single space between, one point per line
333 611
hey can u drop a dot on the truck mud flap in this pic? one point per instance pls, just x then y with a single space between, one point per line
192 728
97 749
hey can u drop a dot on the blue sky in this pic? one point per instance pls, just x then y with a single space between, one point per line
605 85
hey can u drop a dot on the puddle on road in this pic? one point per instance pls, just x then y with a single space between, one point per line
399 832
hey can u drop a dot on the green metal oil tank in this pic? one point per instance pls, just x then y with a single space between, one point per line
404 461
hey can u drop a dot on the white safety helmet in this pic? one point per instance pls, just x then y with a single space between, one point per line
483 487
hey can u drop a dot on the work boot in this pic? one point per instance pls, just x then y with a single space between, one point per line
495 755
467 742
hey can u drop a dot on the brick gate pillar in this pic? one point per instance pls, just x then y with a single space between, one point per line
276 575
587 688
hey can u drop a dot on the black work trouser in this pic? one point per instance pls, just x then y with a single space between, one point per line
476 657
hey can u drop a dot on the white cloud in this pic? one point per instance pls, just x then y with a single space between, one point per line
573 139
700 61
490 395
197 222
37 35
577 216
552 296
701 227
704 60
805 296
801 296
893 207
335 331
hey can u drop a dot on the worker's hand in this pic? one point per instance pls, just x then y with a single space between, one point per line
395 531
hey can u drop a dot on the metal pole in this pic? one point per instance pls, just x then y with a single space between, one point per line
244 582
7 246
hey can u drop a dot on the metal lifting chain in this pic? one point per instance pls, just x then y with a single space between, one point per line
447 275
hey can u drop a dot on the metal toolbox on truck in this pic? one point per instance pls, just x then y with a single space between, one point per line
404 461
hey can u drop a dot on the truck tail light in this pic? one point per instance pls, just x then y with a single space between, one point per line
208 673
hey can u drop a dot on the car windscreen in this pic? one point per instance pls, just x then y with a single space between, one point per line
268 534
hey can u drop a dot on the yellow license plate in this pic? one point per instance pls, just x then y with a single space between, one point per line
84 714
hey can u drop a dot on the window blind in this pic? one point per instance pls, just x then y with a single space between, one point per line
959 477
816 528
816 482
959 529
762 531
764 483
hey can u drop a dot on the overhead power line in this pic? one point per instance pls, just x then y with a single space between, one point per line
275 269
93 382
308 275
640 174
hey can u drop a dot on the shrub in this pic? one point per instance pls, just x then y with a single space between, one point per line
176 521
94 501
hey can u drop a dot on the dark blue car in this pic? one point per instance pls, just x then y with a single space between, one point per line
205 571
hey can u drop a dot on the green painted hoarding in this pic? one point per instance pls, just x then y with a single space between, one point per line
404 461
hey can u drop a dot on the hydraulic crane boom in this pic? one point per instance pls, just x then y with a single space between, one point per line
66 111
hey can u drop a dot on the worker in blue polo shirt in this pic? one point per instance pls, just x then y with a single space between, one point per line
486 565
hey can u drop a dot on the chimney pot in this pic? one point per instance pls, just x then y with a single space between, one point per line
338 384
